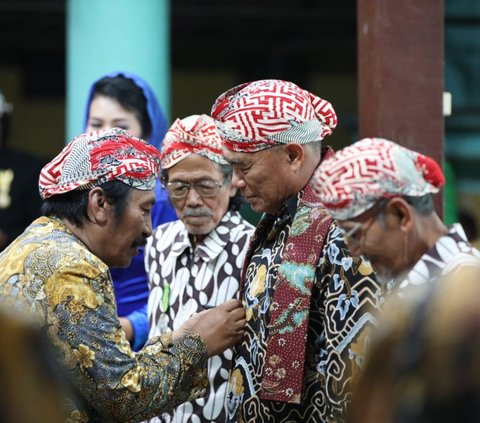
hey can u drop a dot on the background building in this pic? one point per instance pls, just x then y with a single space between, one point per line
214 45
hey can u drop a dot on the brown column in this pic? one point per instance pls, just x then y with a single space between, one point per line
401 73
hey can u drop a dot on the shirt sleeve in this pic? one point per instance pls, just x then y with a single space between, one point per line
120 384
351 298
139 321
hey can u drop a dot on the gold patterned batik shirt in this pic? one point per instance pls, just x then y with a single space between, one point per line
49 272
344 299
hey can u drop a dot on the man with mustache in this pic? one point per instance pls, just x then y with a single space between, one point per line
381 195
194 263
99 194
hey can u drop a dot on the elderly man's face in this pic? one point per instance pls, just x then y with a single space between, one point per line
262 177
202 203
378 238
126 233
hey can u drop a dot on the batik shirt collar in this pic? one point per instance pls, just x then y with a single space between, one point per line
211 247
450 251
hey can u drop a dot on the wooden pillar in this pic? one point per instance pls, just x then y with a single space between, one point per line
401 73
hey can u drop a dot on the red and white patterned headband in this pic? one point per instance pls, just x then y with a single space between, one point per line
258 115
196 134
94 158
356 177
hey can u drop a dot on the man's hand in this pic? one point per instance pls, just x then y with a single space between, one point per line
127 328
220 327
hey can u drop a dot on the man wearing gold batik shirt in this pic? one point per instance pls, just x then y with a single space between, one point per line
99 192
308 303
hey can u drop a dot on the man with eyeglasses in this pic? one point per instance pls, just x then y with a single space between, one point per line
309 305
381 195
194 263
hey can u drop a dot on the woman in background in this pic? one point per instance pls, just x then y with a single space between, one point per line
124 100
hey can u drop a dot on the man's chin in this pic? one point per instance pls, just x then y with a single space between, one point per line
384 277
199 230
125 261
259 206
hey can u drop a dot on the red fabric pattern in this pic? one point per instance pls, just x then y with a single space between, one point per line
258 115
196 134
98 157
373 168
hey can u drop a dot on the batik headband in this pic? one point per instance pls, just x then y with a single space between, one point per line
196 134
356 177
94 158
258 115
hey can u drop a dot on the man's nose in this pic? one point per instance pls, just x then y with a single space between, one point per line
193 197
237 180
148 226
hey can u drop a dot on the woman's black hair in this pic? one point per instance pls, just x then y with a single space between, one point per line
72 205
129 95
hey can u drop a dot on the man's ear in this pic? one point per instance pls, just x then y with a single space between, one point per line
295 155
98 208
402 212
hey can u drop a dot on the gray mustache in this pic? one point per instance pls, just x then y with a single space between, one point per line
200 212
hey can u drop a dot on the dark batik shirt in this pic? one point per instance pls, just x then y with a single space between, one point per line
344 297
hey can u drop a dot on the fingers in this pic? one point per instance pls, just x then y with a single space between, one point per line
238 314
220 327
231 304
239 325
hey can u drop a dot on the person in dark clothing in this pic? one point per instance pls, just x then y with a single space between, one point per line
20 201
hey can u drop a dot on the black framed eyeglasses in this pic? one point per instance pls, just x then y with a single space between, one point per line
205 189
354 236
349 235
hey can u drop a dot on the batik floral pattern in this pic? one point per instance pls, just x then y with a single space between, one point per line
49 273
344 298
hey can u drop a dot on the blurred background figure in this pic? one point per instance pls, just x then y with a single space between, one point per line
195 263
125 100
424 365
20 201
30 388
